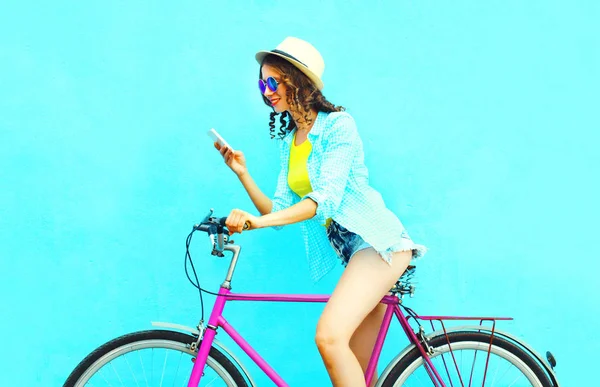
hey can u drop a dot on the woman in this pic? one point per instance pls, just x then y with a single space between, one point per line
323 183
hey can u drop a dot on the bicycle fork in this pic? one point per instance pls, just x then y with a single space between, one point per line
207 339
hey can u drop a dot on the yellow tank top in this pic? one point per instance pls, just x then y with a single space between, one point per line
298 171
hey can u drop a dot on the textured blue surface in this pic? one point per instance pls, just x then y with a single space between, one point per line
480 126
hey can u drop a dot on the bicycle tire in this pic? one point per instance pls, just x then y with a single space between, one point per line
151 339
412 363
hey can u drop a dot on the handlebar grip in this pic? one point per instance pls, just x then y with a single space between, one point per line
222 223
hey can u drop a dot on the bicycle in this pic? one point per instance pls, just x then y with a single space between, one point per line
488 355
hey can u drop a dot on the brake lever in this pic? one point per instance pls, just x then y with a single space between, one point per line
207 217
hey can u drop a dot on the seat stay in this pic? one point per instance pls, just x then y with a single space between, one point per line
414 340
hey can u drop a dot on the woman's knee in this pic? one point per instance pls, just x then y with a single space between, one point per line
328 337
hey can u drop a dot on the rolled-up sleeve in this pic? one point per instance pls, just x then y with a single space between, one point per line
340 147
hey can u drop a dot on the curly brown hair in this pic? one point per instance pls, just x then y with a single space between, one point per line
302 95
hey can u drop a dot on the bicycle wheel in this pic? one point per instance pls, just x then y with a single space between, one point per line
152 358
508 364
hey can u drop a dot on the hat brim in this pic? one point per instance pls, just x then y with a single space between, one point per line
260 56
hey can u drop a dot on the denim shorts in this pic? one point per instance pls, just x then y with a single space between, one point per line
344 242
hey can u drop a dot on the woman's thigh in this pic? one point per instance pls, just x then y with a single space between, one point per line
364 282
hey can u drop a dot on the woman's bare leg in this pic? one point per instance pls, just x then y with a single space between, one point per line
364 338
364 282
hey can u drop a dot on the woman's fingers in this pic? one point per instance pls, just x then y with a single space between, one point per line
229 222
227 153
238 221
235 221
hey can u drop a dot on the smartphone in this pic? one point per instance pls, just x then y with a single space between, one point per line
218 139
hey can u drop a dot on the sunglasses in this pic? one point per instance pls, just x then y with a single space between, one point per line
271 83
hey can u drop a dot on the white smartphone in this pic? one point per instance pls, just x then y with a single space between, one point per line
218 139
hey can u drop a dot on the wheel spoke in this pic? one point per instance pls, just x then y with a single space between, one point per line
514 381
477 357
130 370
472 368
107 382
143 368
447 370
116 373
152 359
162 376
211 382
177 370
458 370
495 375
506 370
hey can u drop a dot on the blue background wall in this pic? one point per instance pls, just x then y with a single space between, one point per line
479 129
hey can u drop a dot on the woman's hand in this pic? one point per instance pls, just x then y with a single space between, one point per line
234 159
237 219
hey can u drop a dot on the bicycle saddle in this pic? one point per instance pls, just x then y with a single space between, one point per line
405 285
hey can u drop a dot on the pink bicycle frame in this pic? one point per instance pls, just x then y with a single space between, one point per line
217 320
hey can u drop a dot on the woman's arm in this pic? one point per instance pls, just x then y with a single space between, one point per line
303 210
261 201
298 212
237 162
342 144
283 198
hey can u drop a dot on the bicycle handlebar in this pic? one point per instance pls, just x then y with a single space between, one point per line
215 226
208 224
212 225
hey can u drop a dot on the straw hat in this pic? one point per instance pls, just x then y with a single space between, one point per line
301 54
